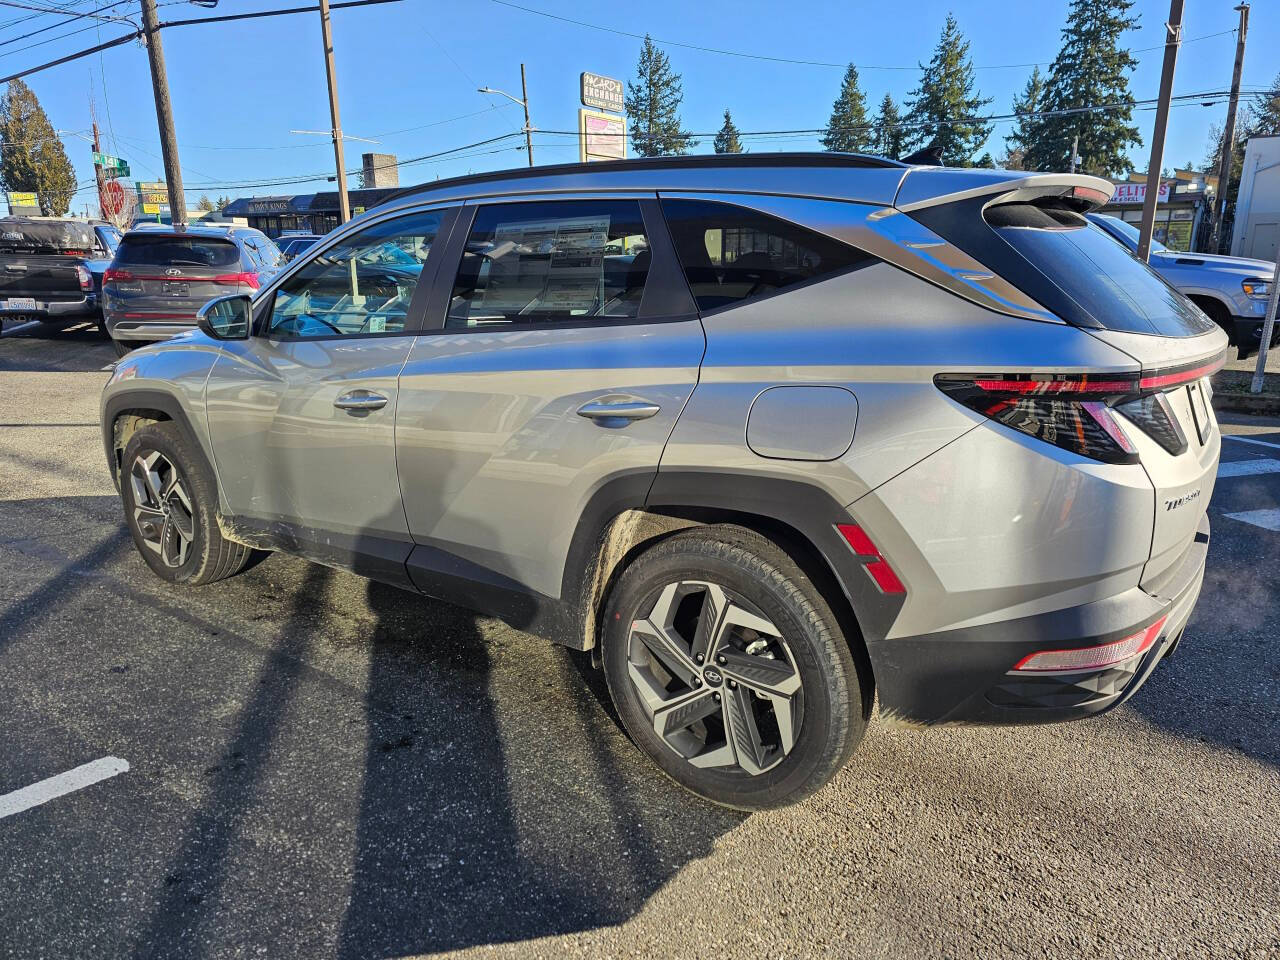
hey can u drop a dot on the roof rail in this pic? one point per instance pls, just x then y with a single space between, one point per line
728 160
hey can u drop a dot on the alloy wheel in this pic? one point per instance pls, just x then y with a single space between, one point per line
162 508
716 678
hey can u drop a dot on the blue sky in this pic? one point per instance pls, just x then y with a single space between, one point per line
408 73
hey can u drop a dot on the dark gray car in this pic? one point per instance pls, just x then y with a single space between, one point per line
161 276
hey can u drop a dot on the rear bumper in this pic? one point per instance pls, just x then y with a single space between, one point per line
963 676
148 330
54 310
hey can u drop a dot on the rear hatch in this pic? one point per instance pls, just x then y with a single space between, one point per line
1036 237
169 276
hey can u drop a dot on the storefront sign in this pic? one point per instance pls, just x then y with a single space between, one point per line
604 93
601 136
21 204
153 196
1137 193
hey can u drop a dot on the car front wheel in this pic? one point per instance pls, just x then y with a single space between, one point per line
170 506
728 668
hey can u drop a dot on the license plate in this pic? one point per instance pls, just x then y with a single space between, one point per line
18 303
1199 409
176 289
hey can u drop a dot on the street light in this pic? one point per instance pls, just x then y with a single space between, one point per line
528 130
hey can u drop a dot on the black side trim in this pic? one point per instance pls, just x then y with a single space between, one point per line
809 510
378 558
147 400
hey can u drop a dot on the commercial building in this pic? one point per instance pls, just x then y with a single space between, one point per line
1257 226
301 213
1182 211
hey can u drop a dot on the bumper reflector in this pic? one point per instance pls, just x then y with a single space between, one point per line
1092 658
873 561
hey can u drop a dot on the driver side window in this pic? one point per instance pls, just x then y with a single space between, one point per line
360 286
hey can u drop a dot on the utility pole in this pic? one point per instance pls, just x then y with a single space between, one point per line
1173 40
326 36
528 130
97 169
164 113
1229 134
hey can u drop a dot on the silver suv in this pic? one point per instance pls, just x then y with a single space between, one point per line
768 435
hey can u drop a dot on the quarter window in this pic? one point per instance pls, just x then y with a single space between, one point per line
362 285
731 254
565 261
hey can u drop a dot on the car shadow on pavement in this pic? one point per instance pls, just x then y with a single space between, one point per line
76 348
500 801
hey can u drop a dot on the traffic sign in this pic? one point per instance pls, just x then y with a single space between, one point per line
112 197
111 165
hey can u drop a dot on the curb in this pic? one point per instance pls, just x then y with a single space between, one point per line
1259 404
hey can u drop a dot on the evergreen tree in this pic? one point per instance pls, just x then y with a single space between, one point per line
942 109
1091 69
653 105
32 158
986 160
727 139
1264 112
889 136
1016 143
848 130
205 204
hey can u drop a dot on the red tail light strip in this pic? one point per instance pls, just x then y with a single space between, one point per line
874 562
1164 379
1081 384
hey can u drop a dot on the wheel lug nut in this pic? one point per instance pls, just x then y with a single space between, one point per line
697 681
733 685
717 697
699 658
721 660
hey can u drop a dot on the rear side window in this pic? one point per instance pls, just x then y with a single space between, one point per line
731 254
569 261
170 251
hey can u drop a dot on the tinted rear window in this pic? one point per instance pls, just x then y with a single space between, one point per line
168 251
1102 277
731 254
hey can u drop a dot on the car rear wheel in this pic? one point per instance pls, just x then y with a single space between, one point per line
170 506
728 668
122 347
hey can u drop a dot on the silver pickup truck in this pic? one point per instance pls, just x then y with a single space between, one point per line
1233 291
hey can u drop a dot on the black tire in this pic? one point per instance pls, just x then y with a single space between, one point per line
753 573
208 556
1218 313
122 347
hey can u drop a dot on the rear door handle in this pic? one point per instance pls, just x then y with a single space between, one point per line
618 410
361 400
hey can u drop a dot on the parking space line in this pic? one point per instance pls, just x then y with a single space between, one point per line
1267 519
85 775
1247 468
1261 443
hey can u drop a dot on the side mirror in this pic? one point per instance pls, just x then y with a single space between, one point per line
226 318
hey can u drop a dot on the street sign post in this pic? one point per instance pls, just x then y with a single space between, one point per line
111 166
604 93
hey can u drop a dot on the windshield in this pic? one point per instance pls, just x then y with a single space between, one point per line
1105 280
1128 232
171 251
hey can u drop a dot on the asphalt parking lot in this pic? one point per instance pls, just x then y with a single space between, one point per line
318 766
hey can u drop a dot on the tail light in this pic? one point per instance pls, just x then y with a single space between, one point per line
117 275
247 279
1076 411
1091 658
85 278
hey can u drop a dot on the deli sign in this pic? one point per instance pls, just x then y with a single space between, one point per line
603 93
1137 193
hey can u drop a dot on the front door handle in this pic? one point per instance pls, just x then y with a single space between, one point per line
618 410
361 400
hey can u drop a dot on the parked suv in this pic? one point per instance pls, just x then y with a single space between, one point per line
1233 291
766 434
161 276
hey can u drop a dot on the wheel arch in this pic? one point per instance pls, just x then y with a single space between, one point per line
124 413
796 516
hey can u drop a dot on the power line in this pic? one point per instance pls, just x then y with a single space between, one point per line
800 62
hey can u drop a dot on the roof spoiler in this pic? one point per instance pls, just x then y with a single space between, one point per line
926 187
930 156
